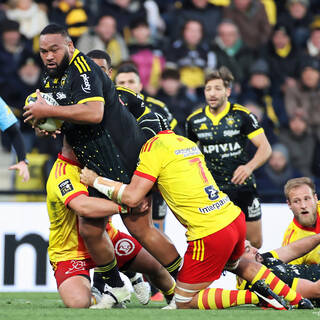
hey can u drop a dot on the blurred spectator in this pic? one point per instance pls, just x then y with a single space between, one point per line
31 18
73 15
305 96
283 58
260 91
201 10
272 177
104 36
124 11
191 55
251 18
146 55
14 48
231 52
313 42
300 143
176 97
297 18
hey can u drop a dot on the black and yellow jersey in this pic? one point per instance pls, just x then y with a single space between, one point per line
223 140
110 148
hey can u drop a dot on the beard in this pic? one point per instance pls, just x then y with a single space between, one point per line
59 71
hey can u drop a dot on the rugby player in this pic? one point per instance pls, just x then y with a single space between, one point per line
215 226
104 136
223 130
67 199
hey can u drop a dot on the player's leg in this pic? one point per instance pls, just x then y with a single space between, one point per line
73 282
157 243
307 288
254 233
75 292
101 250
145 263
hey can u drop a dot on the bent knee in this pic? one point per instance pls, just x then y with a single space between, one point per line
78 303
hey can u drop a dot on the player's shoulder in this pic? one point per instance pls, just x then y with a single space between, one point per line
239 108
196 114
81 64
128 92
155 101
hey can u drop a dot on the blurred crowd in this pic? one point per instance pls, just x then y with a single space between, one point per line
272 47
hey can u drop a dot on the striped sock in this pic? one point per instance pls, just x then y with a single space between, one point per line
174 266
216 298
277 285
169 294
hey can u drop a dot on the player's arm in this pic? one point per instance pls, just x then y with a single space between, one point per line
130 195
260 157
90 112
92 207
298 248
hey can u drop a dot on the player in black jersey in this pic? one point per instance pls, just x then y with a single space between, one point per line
222 130
103 134
302 278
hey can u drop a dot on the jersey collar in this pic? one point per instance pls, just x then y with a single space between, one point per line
76 52
74 163
166 132
215 119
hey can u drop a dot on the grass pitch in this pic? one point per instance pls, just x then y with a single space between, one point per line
48 306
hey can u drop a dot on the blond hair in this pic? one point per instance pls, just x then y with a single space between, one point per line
297 182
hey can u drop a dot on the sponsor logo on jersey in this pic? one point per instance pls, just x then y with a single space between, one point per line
65 187
60 95
124 247
215 206
221 148
203 127
188 152
200 120
204 135
230 133
86 84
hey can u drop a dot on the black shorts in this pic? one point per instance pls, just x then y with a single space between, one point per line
248 201
159 206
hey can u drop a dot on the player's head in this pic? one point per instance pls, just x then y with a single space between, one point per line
102 59
218 87
128 76
56 49
302 200
251 253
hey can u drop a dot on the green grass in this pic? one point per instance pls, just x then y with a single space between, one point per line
48 306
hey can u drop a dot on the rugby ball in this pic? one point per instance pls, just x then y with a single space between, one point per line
48 124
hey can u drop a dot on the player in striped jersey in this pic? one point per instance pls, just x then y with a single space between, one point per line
215 226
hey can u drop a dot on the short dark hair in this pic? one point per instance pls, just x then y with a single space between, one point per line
127 67
170 73
100 54
55 28
222 73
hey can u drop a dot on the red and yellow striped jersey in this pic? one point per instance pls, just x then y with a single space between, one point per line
179 168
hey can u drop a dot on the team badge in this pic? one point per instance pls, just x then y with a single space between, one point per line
124 247
65 187
230 121
203 127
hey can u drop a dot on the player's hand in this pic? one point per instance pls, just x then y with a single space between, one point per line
241 174
37 110
143 207
88 176
22 167
44 133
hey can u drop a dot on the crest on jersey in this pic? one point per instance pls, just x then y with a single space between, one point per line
230 120
124 247
65 187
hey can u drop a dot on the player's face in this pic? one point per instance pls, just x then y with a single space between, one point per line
303 204
216 94
251 253
102 63
56 52
129 80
